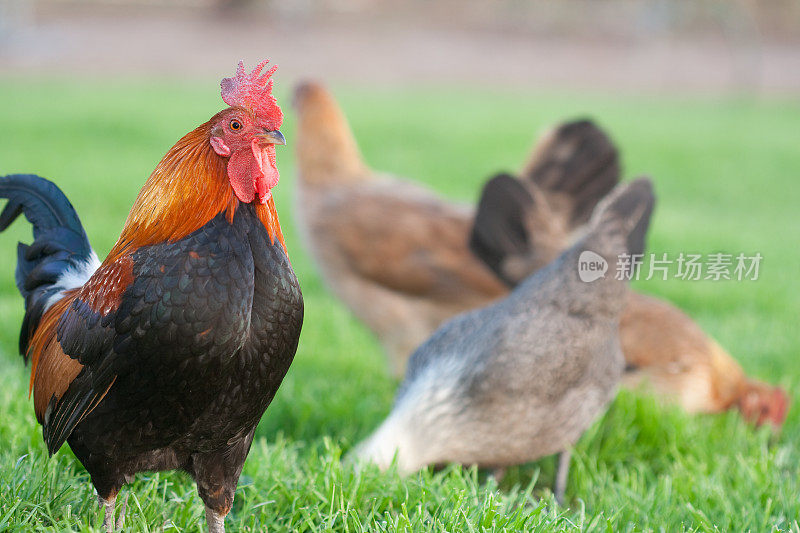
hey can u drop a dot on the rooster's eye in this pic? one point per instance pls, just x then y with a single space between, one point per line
236 125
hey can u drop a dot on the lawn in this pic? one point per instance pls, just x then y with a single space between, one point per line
726 174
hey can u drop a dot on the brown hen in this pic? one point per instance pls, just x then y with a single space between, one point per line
394 252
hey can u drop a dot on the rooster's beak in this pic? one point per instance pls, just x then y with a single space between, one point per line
272 137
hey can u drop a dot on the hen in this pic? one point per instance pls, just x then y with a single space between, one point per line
166 355
396 253
670 354
663 348
526 376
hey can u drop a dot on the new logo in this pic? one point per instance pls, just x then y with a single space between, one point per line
591 266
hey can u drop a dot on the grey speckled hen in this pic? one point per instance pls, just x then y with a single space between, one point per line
525 377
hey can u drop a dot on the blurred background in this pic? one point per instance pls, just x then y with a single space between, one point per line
703 95
654 45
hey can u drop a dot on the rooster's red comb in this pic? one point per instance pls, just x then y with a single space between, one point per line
254 92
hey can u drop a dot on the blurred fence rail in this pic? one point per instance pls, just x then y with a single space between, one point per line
744 46
774 20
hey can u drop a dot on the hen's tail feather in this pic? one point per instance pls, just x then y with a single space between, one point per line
60 246
522 224
499 228
578 160
627 210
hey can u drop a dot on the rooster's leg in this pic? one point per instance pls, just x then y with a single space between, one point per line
216 521
108 509
217 474
121 519
562 473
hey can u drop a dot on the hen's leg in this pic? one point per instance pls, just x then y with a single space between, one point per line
498 474
562 473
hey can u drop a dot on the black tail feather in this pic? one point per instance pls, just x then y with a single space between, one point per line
60 243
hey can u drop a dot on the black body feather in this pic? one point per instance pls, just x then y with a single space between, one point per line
191 358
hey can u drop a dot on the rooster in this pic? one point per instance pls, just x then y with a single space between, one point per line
526 376
165 355
396 253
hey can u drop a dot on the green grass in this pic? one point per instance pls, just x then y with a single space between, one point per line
726 173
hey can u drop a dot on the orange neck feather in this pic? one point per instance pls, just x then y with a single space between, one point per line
187 189
268 216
